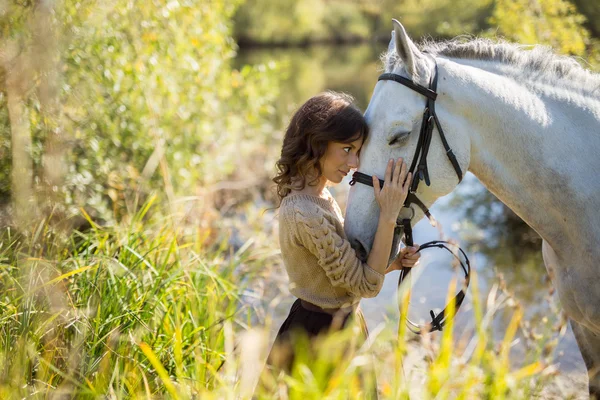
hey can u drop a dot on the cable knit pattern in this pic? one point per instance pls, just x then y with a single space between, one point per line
322 266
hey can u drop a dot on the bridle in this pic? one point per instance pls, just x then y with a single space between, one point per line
420 172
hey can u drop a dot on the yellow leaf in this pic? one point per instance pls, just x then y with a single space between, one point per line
162 372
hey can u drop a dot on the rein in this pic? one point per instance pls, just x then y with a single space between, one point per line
420 172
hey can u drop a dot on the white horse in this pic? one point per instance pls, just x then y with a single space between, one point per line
527 124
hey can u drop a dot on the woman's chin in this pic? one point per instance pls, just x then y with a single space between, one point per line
338 178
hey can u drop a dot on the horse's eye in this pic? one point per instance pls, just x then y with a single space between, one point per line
398 138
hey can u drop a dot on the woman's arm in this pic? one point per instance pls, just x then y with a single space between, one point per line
317 233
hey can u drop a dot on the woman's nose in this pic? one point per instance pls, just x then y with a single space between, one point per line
353 161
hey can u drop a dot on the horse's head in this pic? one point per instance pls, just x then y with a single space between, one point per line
395 115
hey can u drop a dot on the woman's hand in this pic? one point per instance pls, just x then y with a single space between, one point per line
390 199
407 258
393 194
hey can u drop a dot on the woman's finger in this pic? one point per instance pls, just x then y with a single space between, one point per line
376 188
407 183
402 175
411 258
397 170
388 171
412 251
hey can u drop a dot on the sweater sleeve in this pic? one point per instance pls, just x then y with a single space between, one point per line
335 255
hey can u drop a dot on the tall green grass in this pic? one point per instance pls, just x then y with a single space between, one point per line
133 310
149 309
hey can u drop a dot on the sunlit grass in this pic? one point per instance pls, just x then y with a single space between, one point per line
123 310
144 310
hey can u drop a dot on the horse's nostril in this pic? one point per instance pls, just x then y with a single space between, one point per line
361 252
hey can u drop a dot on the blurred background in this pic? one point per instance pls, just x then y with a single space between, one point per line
109 106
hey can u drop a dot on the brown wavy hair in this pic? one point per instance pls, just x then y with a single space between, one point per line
329 116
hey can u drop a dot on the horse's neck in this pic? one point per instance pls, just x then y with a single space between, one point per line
534 146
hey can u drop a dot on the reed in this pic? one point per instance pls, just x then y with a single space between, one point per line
148 309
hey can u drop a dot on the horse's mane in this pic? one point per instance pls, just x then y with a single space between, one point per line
538 62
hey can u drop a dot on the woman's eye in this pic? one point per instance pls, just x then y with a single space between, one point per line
347 149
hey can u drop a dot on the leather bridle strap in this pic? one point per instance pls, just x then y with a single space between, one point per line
429 93
439 321
431 107
420 172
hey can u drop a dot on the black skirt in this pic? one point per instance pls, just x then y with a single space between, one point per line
302 324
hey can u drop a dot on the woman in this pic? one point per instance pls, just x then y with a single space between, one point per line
321 146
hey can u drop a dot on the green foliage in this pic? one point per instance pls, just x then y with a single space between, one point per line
317 68
135 300
285 21
148 92
13 17
156 81
442 19
5 153
591 10
298 22
149 87
344 23
552 22
265 21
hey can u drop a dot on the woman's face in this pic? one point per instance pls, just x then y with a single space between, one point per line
339 159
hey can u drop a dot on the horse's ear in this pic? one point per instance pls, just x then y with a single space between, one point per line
392 45
406 49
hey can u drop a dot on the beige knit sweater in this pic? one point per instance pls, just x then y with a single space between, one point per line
322 266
